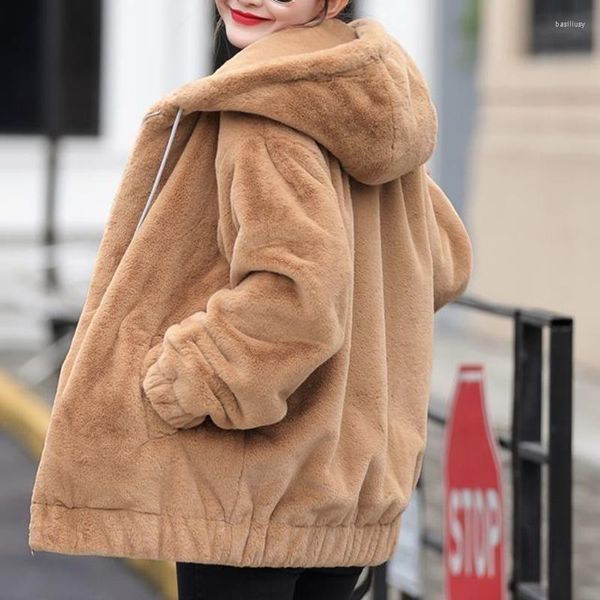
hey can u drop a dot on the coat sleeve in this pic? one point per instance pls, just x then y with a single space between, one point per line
284 312
450 244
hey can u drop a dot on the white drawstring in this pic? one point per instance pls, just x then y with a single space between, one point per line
163 162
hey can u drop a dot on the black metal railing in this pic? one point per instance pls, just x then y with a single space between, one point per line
530 454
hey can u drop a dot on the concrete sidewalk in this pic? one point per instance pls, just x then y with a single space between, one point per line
45 575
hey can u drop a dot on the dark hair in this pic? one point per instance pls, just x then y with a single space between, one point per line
321 17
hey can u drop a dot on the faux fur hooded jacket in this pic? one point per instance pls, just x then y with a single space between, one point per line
248 381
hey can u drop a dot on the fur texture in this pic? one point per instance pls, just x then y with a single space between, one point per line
248 381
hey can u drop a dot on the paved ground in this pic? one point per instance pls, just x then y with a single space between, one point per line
45 575
49 577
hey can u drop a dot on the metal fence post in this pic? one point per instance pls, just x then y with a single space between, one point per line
526 468
560 458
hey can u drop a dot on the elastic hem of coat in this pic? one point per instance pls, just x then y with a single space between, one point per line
131 534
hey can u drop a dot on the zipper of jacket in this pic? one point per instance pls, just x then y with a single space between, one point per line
152 195
161 167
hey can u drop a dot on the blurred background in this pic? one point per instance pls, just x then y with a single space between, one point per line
517 87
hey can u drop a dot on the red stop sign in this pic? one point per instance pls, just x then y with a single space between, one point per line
473 501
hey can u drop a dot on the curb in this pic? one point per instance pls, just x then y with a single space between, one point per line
25 416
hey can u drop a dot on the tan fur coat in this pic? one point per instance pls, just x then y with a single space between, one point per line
249 378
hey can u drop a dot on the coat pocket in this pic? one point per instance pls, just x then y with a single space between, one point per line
156 426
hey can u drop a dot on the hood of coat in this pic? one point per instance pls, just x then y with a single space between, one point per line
350 86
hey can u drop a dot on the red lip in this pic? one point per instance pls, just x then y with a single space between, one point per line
247 18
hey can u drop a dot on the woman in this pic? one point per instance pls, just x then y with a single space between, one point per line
246 391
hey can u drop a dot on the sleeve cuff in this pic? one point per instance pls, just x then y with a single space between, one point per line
176 385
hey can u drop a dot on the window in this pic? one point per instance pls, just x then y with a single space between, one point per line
562 26
24 60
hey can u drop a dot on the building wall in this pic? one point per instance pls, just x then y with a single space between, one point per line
533 201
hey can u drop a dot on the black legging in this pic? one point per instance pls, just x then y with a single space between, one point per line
223 582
